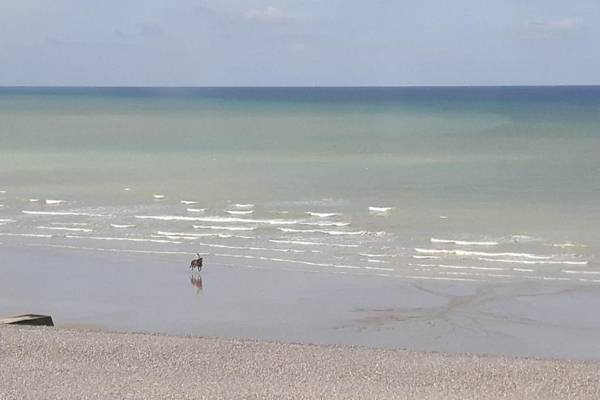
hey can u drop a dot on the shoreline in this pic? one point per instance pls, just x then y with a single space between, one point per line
135 294
66 363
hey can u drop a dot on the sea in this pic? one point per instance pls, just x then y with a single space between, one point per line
469 184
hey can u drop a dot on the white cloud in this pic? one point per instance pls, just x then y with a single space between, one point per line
269 14
560 27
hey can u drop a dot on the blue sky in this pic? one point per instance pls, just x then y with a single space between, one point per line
309 42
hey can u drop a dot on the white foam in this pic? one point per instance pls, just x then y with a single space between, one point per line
523 270
427 257
199 235
2 191
568 271
70 223
464 242
238 212
568 244
322 215
334 233
62 228
443 217
377 261
226 228
528 262
222 246
62 246
307 243
437 278
25 235
220 219
122 226
158 196
284 260
379 268
376 255
481 253
121 239
7 220
188 202
196 210
380 209
127 189
63 213
34 200
470 267
326 223
193 235
446 266
53 202
244 205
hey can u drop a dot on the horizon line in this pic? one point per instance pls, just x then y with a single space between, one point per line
290 86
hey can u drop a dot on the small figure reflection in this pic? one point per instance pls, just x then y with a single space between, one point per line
196 281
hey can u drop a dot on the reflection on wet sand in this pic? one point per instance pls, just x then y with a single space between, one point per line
196 281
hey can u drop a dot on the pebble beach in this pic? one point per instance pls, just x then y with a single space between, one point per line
55 363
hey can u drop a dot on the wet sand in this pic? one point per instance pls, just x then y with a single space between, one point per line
130 293
54 363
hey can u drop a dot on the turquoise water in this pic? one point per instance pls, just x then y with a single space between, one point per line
493 184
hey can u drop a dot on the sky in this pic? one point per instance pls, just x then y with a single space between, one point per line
299 42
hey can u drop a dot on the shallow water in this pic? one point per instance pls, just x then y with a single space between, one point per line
445 184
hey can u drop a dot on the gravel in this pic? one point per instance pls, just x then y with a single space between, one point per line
53 363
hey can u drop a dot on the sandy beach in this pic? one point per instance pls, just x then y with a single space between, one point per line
53 363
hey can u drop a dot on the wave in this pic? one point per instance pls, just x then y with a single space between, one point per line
322 215
64 246
555 262
379 268
238 205
226 228
122 226
568 271
307 243
25 235
62 228
53 202
426 257
464 242
121 239
238 212
335 233
325 223
523 270
371 255
188 202
220 219
446 266
3 192
377 261
380 210
568 244
284 260
34 200
7 220
63 213
222 246
197 210
158 196
481 253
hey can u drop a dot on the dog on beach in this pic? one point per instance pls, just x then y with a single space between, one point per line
197 263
